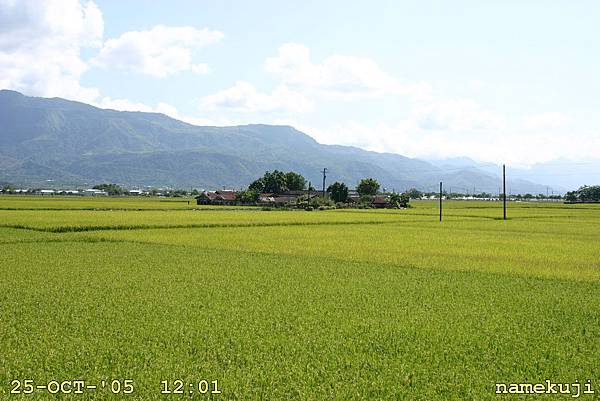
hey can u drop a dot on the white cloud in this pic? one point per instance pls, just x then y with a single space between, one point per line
464 129
40 46
339 76
301 83
200 68
40 55
163 108
127 105
41 43
350 133
434 126
547 121
243 97
457 115
159 52
26 23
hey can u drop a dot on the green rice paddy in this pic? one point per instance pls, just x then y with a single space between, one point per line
295 305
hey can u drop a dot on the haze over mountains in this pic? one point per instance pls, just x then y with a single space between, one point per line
55 142
558 175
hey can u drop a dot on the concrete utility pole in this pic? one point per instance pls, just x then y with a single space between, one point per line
440 201
324 176
504 188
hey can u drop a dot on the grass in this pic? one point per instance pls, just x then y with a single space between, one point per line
329 305
14 202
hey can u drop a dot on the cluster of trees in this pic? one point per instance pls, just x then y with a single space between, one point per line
275 182
8 188
338 192
584 194
111 189
414 193
400 200
247 197
278 182
367 187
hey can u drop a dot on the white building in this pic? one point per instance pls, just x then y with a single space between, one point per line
94 192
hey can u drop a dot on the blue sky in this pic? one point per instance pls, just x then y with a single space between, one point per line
502 81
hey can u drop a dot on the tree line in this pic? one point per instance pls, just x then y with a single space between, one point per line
584 194
278 182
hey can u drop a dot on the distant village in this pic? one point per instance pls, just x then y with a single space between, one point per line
297 199
279 189
72 192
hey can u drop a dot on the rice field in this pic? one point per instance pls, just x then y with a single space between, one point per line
295 305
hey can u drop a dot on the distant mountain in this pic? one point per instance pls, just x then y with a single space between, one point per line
56 142
562 175
557 176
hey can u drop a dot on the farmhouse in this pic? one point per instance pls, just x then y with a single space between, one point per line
277 200
289 198
216 198
377 201
264 199
380 202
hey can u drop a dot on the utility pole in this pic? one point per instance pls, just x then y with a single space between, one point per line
440 201
504 188
324 176
309 186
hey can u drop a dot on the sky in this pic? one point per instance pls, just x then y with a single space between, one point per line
511 82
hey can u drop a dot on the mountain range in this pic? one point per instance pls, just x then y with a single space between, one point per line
558 175
52 142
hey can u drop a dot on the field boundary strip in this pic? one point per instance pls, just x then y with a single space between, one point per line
129 209
521 275
69 229
73 229
449 213
68 240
